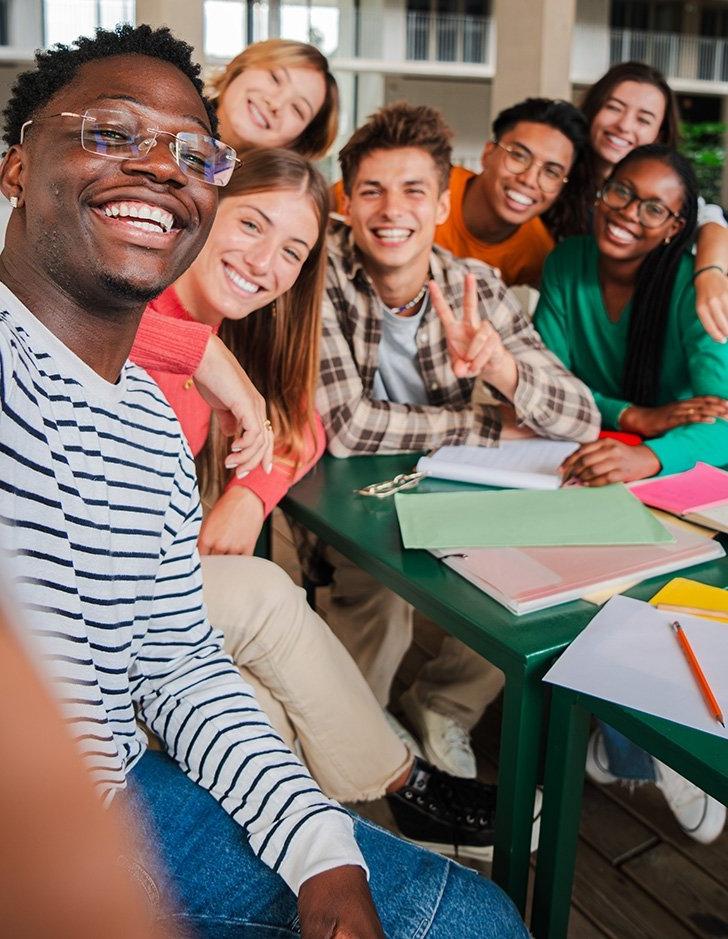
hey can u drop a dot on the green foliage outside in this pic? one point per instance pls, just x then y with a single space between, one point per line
703 144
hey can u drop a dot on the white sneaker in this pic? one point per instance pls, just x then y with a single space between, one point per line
445 742
597 761
404 735
698 814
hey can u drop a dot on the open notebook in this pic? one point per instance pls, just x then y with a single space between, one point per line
515 464
699 495
528 579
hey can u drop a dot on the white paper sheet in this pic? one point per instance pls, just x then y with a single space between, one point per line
518 464
628 654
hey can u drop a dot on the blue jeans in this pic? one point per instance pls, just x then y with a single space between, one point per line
221 890
626 760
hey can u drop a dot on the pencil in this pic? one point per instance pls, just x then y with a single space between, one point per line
720 615
697 671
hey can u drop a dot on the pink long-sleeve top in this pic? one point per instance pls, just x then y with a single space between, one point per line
169 345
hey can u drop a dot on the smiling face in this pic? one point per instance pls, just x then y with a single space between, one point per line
619 233
100 228
270 107
516 198
256 249
395 206
630 117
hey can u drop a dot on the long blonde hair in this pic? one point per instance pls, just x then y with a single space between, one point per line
277 345
317 137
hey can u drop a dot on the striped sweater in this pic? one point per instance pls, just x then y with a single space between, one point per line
100 516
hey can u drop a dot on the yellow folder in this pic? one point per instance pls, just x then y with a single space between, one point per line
682 592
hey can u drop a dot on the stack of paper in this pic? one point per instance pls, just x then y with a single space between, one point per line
628 654
528 579
609 515
699 495
515 464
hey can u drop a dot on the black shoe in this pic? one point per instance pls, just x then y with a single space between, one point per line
445 813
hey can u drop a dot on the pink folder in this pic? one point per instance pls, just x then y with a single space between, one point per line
684 492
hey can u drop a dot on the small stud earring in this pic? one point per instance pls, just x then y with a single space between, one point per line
667 241
14 201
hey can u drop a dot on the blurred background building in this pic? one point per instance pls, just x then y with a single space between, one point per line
468 57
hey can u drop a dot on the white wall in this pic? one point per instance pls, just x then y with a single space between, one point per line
465 105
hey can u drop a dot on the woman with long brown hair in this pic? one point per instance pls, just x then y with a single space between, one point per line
258 282
630 106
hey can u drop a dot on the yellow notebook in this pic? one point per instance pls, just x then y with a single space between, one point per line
696 596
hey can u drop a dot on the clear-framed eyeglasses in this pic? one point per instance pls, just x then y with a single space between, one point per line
518 159
122 135
651 212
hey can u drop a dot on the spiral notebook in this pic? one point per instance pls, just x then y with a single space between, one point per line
528 579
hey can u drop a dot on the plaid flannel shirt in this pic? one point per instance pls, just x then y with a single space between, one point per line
549 400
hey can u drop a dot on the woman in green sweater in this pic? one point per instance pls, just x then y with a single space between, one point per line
618 309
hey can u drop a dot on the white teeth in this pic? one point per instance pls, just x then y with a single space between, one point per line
392 234
519 197
617 141
240 281
141 210
621 234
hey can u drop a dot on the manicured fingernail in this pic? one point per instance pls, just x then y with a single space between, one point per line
241 473
268 467
230 462
236 448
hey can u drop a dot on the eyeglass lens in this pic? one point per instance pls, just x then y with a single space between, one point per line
120 135
651 212
518 160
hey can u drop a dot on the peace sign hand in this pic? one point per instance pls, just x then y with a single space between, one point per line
474 346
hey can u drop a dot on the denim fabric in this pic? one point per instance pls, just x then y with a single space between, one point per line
626 760
221 890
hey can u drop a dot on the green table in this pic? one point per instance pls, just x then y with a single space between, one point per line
366 530
701 757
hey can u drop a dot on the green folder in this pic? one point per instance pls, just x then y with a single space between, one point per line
609 515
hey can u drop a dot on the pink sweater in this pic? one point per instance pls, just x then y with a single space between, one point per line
169 345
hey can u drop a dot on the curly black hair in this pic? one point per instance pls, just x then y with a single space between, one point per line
58 66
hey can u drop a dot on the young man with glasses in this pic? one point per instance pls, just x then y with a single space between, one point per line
495 215
101 517
411 337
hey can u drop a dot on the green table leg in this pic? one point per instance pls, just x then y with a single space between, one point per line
264 544
523 714
563 789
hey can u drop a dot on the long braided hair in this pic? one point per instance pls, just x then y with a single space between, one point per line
655 282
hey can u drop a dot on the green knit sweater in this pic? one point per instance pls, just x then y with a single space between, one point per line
574 324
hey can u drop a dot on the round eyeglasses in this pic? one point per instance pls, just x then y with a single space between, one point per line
651 212
518 159
121 135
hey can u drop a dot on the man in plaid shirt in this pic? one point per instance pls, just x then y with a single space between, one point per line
420 349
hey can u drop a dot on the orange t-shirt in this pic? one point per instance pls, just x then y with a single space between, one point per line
519 258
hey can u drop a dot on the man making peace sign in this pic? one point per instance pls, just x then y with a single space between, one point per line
410 334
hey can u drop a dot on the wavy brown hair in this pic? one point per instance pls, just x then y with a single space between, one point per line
571 213
317 137
277 345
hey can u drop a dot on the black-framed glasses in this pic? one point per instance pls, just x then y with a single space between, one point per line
518 159
121 135
651 212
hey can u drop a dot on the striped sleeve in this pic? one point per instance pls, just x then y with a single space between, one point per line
192 696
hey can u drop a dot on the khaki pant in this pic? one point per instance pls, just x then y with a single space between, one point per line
375 626
303 678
